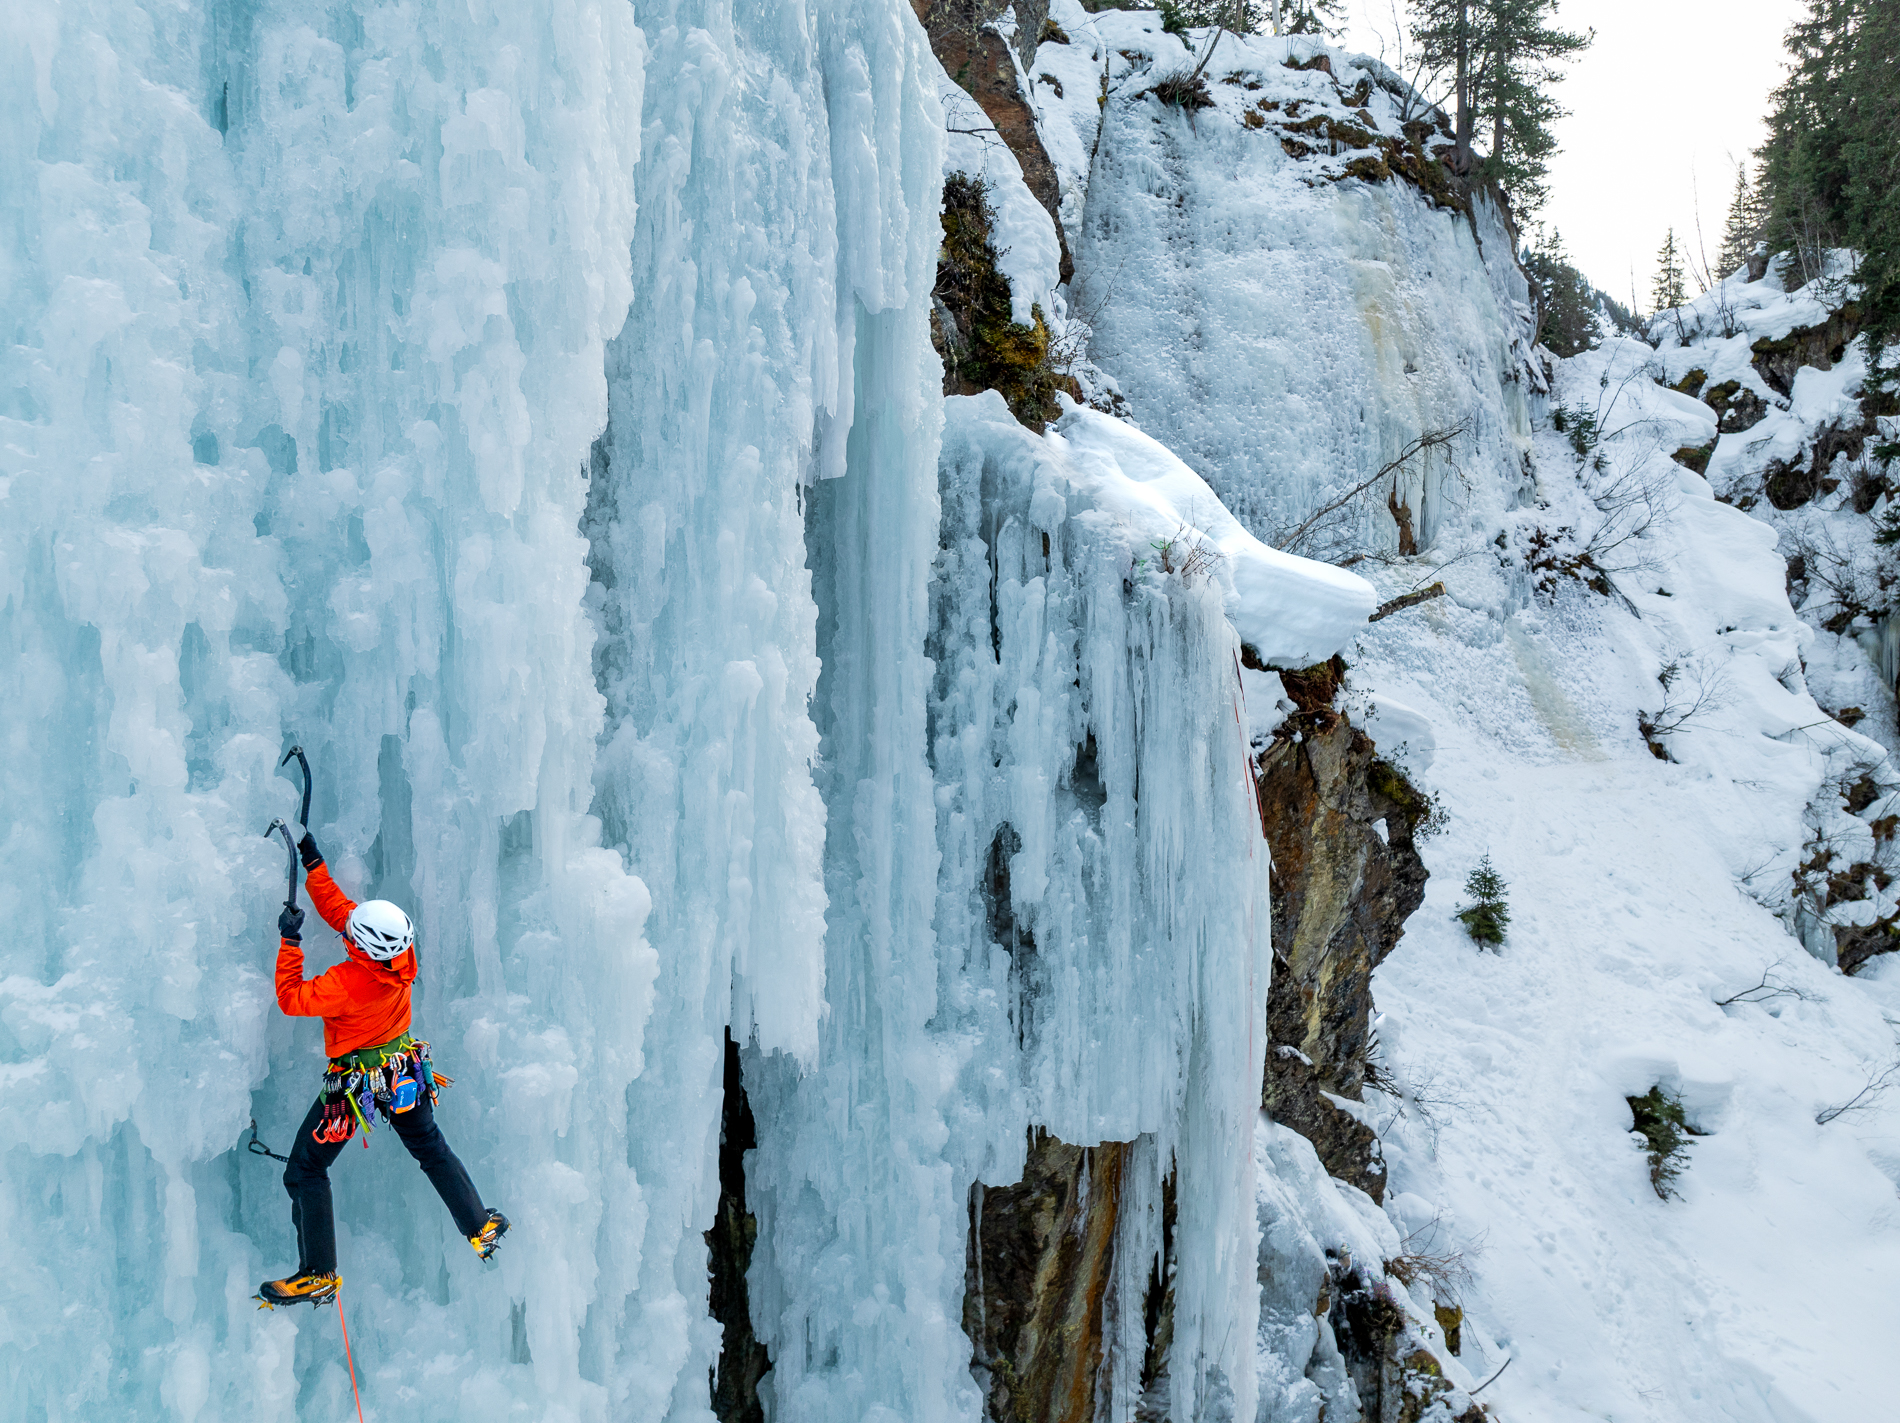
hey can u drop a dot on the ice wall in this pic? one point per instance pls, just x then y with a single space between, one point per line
774 360
600 555
305 315
1283 331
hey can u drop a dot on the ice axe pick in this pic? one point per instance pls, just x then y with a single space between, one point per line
303 818
290 890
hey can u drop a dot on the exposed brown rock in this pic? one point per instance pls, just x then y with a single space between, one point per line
1036 1281
1341 895
1792 483
1736 409
976 57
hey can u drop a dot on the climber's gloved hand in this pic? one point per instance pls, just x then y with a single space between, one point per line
307 847
290 922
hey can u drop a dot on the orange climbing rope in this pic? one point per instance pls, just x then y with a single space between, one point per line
346 1357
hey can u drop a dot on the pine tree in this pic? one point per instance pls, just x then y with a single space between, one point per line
1314 17
1830 171
1743 229
1239 16
1666 293
1567 305
1502 57
1488 915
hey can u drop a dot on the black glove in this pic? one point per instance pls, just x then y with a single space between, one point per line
307 847
290 922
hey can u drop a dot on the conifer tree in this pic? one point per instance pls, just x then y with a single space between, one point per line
1487 916
1666 293
1314 17
1501 57
1743 228
1830 171
1567 321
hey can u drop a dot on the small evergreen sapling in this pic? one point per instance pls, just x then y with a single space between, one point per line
1487 916
1659 1120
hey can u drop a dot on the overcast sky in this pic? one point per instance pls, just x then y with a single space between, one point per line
1662 106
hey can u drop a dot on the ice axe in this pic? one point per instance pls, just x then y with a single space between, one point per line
290 891
304 818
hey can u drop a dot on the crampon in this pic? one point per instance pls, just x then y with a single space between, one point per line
298 1289
489 1236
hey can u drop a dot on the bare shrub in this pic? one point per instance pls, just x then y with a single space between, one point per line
1188 553
1691 690
1425 1257
1880 1080
1767 988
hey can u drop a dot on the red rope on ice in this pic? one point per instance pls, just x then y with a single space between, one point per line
346 1356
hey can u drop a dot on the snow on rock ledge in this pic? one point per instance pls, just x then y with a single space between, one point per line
1292 611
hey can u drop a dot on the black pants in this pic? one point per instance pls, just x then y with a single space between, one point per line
307 1178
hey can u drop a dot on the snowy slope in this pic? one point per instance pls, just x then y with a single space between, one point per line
1264 323
1641 892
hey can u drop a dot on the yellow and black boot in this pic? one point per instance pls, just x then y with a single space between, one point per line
489 1236
298 1289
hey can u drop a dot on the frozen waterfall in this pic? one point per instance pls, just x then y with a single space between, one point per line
530 409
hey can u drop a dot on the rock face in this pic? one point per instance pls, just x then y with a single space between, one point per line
975 55
1038 1282
743 1360
1041 1276
1341 895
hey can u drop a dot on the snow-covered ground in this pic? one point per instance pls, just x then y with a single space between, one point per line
1641 892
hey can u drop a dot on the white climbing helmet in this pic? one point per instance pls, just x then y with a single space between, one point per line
380 929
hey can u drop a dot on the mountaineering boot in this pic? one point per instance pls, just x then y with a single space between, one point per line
489 1236
298 1289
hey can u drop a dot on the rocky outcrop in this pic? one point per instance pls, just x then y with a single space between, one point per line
972 327
1037 1282
743 1360
1341 893
1820 346
1038 1303
973 52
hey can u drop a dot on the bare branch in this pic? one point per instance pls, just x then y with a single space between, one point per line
1878 1082
1767 987
1424 444
1410 600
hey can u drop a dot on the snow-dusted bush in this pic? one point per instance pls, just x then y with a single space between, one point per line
1662 1126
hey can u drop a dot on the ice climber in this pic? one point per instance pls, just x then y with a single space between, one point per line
375 1065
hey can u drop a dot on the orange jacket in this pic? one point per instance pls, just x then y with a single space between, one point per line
363 1003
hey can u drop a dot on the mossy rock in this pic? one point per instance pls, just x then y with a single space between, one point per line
1691 384
1368 169
1695 457
1451 1319
989 349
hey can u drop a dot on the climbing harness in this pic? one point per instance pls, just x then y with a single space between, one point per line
389 1079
